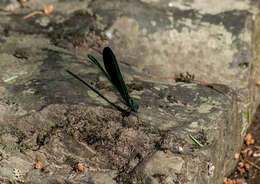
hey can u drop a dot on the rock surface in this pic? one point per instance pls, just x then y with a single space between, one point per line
48 116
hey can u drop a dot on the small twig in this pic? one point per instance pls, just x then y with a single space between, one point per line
253 164
196 141
192 80
11 78
32 14
46 10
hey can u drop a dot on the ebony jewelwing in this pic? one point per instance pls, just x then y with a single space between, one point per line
113 75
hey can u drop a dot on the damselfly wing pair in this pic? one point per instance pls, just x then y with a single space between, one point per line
114 76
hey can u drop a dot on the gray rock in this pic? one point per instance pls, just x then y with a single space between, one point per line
48 116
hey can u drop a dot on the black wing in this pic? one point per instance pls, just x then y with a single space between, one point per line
113 71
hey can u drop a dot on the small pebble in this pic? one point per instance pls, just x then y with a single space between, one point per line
80 167
38 165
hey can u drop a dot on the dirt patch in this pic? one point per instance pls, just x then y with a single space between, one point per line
100 139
